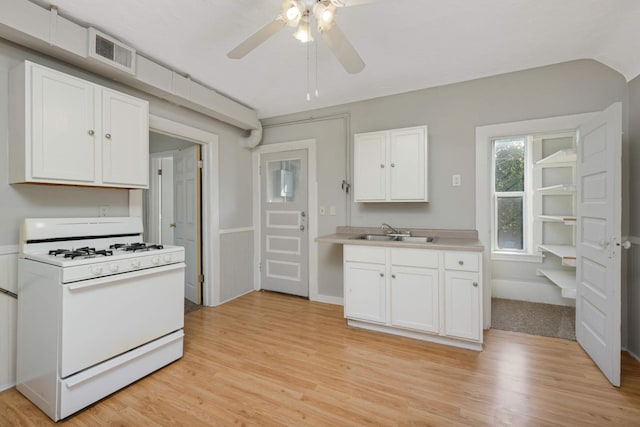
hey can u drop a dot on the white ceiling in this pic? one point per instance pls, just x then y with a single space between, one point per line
406 44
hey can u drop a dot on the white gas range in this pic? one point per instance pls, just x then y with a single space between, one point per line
97 309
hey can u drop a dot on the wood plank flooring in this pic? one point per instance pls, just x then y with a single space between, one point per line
270 359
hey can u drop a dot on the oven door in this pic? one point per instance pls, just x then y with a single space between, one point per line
104 317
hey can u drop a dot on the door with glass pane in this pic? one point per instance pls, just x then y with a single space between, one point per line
284 242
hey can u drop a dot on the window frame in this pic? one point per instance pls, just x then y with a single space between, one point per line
528 244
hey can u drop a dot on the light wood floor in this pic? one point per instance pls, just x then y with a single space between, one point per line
269 359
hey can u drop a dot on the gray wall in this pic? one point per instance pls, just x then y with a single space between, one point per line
159 143
452 113
18 201
633 306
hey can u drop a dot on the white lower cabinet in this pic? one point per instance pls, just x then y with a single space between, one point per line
366 294
426 294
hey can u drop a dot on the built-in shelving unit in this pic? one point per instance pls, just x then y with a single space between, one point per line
565 279
566 253
556 206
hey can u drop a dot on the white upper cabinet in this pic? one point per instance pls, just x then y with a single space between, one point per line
64 130
391 166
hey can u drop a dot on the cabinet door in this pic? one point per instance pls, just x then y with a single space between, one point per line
408 164
125 140
415 298
364 288
63 145
462 305
370 167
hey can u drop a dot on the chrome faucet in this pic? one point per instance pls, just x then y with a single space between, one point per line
391 229
394 231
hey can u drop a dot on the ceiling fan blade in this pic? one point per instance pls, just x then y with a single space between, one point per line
257 38
347 3
343 50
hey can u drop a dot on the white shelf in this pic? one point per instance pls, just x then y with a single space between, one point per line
567 219
564 279
561 158
565 252
558 189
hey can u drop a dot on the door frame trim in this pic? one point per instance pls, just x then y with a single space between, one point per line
210 233
312 207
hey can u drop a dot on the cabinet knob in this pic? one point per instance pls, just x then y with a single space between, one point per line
381 166
393 165
475 284
91 132
461 262
393 276
108 136
381 274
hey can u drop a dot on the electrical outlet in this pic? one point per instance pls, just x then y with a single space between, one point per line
456 180
332 210
103 211
322 210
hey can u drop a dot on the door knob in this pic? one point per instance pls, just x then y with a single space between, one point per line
302 227
91 132
626 244
108 136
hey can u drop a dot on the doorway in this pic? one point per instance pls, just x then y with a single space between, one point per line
172 205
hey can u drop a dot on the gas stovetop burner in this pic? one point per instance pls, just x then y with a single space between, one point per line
85 252
135 247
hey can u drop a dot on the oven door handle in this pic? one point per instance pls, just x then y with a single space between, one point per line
113 279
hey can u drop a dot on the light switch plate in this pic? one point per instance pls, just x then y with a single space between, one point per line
456 180
332 210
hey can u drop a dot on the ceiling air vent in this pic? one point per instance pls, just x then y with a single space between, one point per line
110 51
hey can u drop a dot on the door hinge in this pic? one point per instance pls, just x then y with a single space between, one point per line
201 278
259 266
159 171
200 164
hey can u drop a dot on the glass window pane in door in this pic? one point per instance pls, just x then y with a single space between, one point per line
283 178
509 164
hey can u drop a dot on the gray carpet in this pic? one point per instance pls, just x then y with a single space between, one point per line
534 318
190 306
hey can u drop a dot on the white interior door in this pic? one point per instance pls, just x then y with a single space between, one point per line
167 210
186 195
598 301
284 241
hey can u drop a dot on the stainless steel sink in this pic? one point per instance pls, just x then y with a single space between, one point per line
376 237
417 239
391 238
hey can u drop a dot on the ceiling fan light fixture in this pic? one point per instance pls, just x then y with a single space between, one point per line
325 13
304 31
292 12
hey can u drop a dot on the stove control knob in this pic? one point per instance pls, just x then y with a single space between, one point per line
114 267
155 260
96 270
167 258
135 263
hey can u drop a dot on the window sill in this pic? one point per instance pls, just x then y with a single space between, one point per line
510 256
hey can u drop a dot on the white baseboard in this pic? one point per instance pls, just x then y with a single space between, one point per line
546 293
327 299
232 298
4 387
632 354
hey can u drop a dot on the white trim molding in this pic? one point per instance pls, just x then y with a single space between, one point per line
312 182
236 230
9 249
210 202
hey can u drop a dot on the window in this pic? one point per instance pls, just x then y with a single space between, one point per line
510 195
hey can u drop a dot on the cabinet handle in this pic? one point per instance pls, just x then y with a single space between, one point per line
393 276
475 284
381 166
91 132
461 262
381 274
393 165
108 136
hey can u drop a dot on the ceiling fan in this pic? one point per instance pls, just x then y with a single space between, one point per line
298 14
